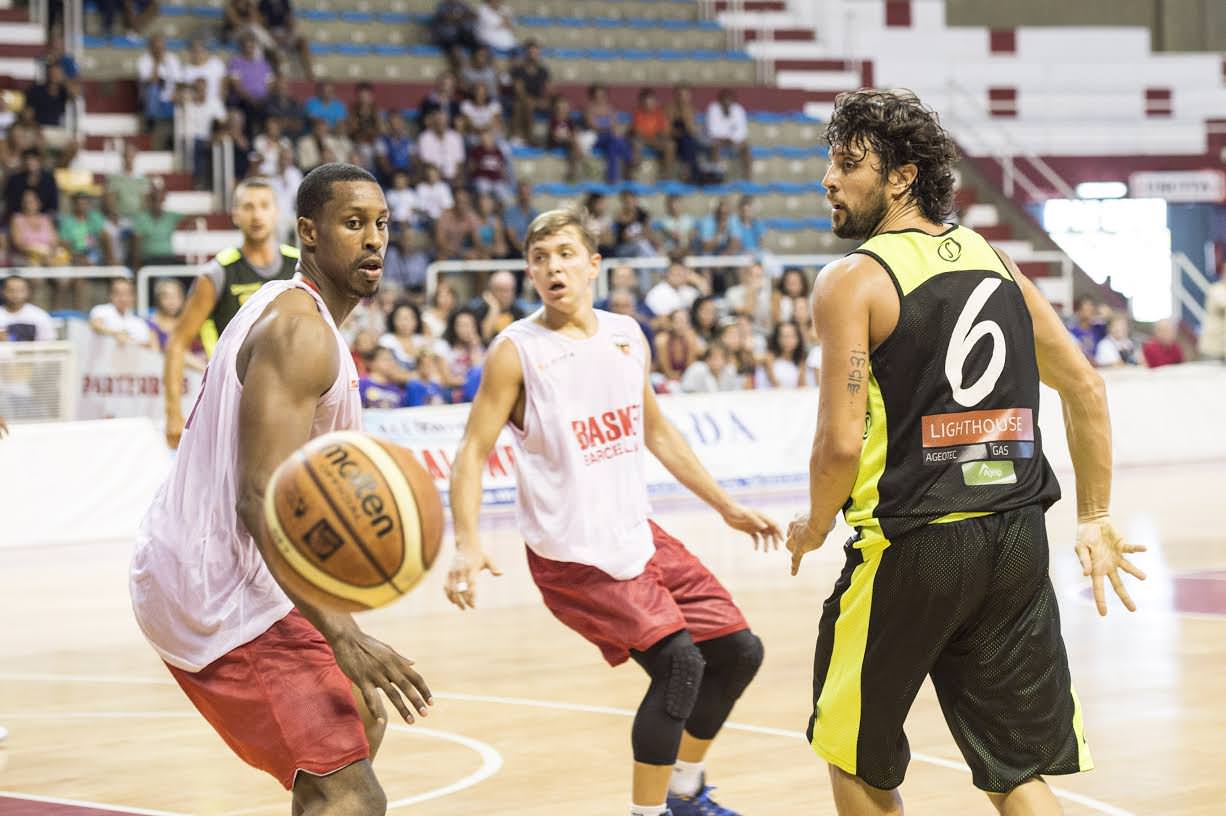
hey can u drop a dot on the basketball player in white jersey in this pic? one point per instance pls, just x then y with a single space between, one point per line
572 383
270 672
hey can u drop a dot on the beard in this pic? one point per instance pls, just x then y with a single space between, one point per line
860 224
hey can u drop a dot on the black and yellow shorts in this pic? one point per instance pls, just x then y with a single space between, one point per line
969 603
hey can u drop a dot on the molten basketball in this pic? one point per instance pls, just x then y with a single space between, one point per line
355 519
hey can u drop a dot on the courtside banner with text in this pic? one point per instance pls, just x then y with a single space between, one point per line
748 440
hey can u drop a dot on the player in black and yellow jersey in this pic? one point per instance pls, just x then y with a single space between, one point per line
933 346
224 284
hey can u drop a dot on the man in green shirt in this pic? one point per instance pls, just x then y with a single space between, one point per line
129 187
83 231
152 229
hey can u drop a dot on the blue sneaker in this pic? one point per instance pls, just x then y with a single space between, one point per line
700 804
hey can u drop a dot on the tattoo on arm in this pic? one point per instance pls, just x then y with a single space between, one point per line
858 358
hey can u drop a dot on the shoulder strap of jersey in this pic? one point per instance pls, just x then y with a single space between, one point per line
912 257
290 251
228 256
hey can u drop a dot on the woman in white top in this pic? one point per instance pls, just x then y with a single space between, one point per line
405 339
1117 348
783 365
437 315
481 112
793 288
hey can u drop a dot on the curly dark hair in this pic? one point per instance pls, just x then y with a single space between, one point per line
900 130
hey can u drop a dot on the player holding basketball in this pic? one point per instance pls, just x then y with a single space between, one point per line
223 286
269 671
933 346
572 383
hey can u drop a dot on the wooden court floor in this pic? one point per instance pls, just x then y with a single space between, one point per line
529 722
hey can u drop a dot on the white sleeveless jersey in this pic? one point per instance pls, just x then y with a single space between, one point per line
200 587
580 457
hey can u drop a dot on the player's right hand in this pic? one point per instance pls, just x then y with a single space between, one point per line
461 588
174 430
373 666
1103 552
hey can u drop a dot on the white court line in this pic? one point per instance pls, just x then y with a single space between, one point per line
491 760
941 762
52 800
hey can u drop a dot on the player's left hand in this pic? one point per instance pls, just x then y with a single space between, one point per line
803 537
763 531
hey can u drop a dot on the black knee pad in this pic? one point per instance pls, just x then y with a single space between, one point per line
737 657
683 678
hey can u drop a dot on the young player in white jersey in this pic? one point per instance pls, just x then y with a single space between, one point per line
269 671
572 384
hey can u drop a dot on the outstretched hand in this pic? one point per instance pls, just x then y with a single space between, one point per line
374 666
763 530
1103 552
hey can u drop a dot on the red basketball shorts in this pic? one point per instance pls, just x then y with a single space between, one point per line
281 703
674 592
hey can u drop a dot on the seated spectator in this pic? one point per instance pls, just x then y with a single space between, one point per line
318 143
625 277
453 23
32 176
623 301
56 55
167 307
24 133
203 65
32 232
21 320
285 181
792 290
650 129
364 114
445 97
748 229
363 343
498 306
752 297
714 372
434 195
1163 348
704 317
492 233
490 170
49 99
379 388
117 230
687 138
278 18
437 316
1117 348
250 80
675 229
632 234
326 106
728 129
370 314
677 347
404 338
429 388
401 203
495 26
282 104
117 318
732 334
518 216
441 146
676 291
159 73
530 87
235 130
563 135
597 207
83 231
269 145
481 72
152 231
455 230
784 363
406 260
1212 340
201 114
1087 329
129 188
716 234
480 114
602 118
394 150
466 351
